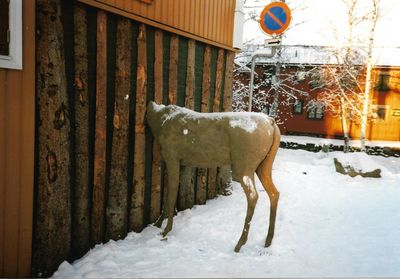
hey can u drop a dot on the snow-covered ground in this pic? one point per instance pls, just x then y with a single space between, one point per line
328 225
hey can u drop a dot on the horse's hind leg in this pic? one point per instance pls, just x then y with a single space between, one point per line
264 173
249 188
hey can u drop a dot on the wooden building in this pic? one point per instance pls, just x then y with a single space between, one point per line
298 117
78 165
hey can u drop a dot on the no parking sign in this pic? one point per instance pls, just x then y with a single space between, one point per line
275 18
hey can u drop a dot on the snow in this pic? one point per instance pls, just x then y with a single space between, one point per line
243 120
246 123
328 225
360 161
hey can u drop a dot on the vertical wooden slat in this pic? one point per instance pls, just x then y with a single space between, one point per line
189 174
98 203
27 144
137 208
228 81
201 194
173 70
52 240
81 228
117 207
3 149
224 173
218 80
12 191
155 208
17 111
212 172
190 76
205 19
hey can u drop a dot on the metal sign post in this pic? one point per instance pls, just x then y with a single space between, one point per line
274 20
258 54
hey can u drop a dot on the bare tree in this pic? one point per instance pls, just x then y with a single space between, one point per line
347 84
272 83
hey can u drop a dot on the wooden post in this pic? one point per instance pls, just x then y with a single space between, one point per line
137 207
224 173
155 207
201 195
52 239
213 173
117 207
173 70
188 174
99 178
227 106
81 227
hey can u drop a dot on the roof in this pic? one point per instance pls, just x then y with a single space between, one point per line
319 55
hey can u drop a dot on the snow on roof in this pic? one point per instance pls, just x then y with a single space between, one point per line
318 55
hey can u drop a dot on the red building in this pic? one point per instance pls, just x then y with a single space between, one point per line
301 111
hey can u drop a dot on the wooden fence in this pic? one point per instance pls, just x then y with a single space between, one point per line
98 173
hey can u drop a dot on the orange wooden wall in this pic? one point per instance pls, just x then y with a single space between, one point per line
209 21
17 114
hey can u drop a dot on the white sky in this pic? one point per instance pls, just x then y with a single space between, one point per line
319 16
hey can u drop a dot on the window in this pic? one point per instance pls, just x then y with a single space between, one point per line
4 27
315 110
11 34
266 109
298 107
380 111
383 82
301 75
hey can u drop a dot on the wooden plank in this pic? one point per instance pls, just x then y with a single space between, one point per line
190 77
117 207
13 170
81 227
99 176
167 21
3 131
218 80
52 240
224 176
27 144
227 106
155 207
173 70
137 206
212 173
202 174
188 174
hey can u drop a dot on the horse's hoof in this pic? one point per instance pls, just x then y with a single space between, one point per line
267 244
237 248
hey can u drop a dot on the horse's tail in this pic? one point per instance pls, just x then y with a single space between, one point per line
266 164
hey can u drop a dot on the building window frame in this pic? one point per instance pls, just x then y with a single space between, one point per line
316 111
14 58
380 112
298 107
383 82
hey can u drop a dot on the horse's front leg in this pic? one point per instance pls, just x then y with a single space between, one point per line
173 186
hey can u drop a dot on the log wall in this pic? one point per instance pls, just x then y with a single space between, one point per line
99 172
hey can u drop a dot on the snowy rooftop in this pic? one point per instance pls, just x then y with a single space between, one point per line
317 55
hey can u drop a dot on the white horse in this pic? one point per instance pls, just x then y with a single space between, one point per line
245 141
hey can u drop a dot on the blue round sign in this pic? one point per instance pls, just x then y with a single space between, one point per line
275 18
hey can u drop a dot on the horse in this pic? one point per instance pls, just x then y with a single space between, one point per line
245 141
